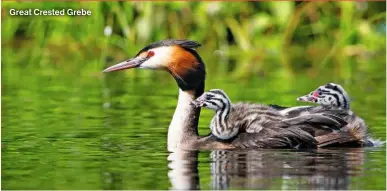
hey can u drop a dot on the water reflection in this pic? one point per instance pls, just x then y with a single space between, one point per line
183 173
269 169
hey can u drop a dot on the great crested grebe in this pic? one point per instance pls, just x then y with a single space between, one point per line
179 58
253 118
334 96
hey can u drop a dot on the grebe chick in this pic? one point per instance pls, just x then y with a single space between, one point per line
330 94
252 118
334 95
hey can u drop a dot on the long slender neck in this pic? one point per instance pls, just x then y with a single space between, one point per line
219 126
183 129
222 114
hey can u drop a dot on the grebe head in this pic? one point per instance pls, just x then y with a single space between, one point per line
214 99
330 94
178 57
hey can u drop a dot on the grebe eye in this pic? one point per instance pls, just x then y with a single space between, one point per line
319 93
150 54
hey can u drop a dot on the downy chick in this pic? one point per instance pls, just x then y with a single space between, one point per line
333 95
252 118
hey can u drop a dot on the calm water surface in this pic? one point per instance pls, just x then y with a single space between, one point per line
79 130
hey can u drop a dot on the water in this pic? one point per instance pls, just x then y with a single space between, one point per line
276 169
72 128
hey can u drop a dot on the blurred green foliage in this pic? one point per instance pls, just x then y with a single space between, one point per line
261 37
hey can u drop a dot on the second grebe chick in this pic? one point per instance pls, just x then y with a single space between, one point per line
333 95
252 118
330 94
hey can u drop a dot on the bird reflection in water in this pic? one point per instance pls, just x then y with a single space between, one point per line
268 169
183 173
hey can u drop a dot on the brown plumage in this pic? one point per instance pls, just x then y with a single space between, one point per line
352 135
181 62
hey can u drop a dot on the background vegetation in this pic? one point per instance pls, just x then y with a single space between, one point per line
262 37
66 125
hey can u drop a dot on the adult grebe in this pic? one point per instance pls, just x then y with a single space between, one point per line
179 58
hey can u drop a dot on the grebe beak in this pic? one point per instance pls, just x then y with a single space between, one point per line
199 102
131 63
306 98
302 98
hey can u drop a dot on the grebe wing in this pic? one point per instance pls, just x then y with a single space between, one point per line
275 138
277 107
329 121
326 122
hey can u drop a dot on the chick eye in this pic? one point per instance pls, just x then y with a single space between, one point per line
319 93
150 54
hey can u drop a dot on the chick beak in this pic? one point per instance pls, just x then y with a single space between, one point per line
131 63
195 103
199 102
306 98
311 98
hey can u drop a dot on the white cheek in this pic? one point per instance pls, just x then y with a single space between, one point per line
160 58
151 63
330 102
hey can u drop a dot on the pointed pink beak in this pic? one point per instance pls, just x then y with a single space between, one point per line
131 63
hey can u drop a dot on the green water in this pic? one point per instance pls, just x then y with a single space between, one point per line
72 128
